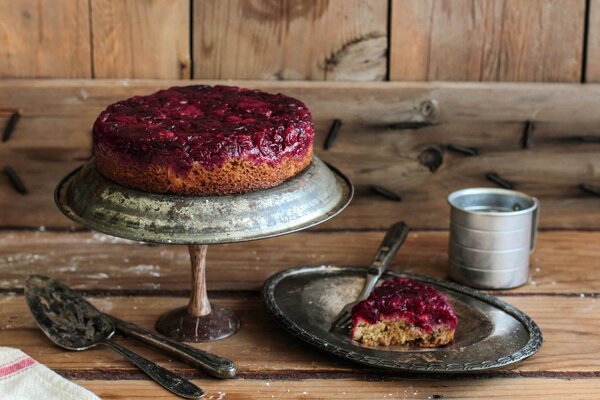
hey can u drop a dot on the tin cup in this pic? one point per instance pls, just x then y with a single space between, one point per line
492 233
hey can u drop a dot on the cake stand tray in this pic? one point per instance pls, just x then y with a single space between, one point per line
490 333
315 195
312 197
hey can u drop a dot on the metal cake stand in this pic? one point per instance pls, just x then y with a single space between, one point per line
308 199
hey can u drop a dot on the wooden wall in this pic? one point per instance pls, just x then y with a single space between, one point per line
365 40
394 134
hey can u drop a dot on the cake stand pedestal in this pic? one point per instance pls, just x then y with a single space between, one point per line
308 199
199 321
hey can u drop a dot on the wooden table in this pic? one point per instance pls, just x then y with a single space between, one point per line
138 282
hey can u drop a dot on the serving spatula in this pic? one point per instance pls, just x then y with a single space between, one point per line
71 322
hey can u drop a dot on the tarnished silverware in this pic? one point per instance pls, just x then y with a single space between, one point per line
71 322
313 196
490 333
215 365
394 238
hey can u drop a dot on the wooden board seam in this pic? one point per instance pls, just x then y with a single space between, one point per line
220 294
382 375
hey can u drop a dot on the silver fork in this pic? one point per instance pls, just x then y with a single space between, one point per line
394 238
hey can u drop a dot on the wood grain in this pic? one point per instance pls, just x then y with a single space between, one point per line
592 73
403 388
93 261
497 40
291 39
40 39
141 39
261 346
383 103
370 148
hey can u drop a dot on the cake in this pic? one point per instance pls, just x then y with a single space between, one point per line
404 311
203 140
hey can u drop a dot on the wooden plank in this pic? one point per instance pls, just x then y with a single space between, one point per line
592 73
499 40
569 325
371 148
551 172
42 133
238 39
141 39
564 262
40 170
370 103
404 388
39 39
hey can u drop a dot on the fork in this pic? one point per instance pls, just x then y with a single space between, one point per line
394 238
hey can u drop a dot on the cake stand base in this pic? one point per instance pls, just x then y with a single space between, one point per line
181 325
199 321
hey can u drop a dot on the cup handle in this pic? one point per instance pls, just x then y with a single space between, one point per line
535 219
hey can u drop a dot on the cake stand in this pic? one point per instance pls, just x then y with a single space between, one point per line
315 195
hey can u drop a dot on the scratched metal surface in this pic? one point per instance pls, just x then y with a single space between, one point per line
64 316
308 199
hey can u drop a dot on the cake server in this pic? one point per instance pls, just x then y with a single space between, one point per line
71 322
215 365
394 238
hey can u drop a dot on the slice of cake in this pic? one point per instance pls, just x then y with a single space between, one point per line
203 140
404 311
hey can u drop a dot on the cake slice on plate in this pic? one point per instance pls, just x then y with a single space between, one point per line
404 311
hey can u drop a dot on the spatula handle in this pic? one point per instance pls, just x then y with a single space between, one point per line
167 379
215 365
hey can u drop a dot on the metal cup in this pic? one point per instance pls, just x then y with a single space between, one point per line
492 233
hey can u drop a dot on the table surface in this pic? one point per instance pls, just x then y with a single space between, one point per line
138 282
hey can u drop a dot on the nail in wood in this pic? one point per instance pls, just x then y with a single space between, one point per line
586 187
409 125
388 194
469 151
333 132
15 180
586 139
10 126
527 142
503 183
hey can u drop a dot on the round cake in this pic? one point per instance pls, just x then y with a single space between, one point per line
203 140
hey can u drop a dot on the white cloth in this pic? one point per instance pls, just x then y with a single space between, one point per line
23 378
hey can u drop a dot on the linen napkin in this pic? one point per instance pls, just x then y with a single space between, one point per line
23 378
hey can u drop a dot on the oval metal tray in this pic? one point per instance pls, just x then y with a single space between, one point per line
490 333
310 198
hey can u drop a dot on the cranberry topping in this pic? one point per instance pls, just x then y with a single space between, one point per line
210 125
406 298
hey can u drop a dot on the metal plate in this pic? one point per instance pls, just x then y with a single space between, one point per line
310 198
490 333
